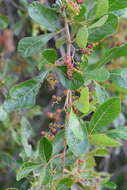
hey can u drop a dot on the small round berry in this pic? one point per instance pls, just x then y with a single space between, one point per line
53 130
53 96
59 110
57 118
65 92
90 46
59 98
83 51
80 1
81 161
43 133
50 115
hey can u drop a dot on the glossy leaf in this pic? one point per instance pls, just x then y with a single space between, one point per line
64 183
45 176
75 126
119 77
99 152
82 104
48 56
60 42
3 21
44 16
3 114
45 149
110 27
110 185
118 133
116 4
99 75
101 93
24 94
100 22
58 142
72 84
102 7
112 54
105 114
26 169
90 162
11 189
26 132
103 140
29 46
75 136
82 37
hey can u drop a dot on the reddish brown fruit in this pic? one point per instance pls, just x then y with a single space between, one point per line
90 46
43 133
80 1
65 92
83 51
59 98
50 115
53 130
57 118
53 96
59 110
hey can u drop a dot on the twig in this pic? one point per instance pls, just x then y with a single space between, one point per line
67 34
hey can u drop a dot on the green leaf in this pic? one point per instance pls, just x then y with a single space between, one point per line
45 176
75 136
58 142
64 183
99 23
82 37
60 42
82 104
3 114
26 132
101 93
112 54
90 162
99 75
29 46
110 27
6 160
3 22
48 56
103 140
102 7
75 126
117 5
24 94
99 152
45 149
26 169
110 185
118 133
73 84
119 77
105 114
44 16
11 189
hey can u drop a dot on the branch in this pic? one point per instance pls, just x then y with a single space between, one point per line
67 34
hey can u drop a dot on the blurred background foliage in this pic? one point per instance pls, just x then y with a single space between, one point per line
15 24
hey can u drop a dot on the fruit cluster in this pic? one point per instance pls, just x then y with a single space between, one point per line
70 66
88 49
80 1
73 6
